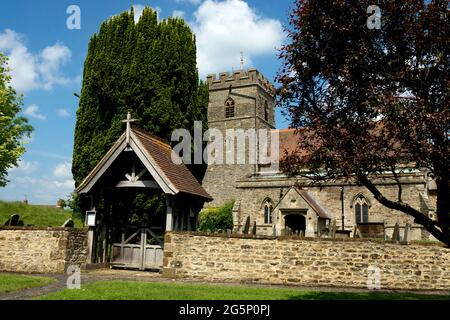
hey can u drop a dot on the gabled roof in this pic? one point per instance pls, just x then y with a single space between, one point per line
313 203
156 155
310 200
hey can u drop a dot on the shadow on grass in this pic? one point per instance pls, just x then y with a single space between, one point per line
321 295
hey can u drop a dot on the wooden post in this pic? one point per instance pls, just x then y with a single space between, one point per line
182 213
90 247
169 217
143 243
189 227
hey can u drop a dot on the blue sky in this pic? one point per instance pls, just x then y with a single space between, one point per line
47 64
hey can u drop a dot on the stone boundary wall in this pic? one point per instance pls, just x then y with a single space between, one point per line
41 250
305 262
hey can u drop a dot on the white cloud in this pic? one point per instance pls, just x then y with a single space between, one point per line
139 8
33 111
50 61
63 113
224 29
21 62
34 71
63 170
25 167
39 190
178 14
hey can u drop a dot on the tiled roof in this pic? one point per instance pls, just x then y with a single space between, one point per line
314 203
178 174
289 142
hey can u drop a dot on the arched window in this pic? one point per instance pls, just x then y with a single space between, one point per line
268 210
361 209
229 108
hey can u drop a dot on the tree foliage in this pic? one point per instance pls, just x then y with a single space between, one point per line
13 128
373 100
214 219
147 68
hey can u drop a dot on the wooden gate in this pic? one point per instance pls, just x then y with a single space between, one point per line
135 252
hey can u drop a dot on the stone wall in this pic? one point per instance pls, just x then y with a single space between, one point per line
39 250
305 262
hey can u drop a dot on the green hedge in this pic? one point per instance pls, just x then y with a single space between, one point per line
215 219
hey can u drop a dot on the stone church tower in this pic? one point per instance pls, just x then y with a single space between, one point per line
243 100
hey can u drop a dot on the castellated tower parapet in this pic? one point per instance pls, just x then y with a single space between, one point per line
240 78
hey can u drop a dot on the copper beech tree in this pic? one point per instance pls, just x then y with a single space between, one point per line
370 102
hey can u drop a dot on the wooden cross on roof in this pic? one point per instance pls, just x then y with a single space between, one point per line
128 121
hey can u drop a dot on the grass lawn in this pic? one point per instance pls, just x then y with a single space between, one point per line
11 282
133 290
39 216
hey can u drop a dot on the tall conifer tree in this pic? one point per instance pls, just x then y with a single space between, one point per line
147 68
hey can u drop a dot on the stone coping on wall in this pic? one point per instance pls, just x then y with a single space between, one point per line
286 238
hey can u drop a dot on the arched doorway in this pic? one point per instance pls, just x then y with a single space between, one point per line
296 222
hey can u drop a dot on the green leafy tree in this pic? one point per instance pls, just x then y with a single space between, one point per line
375 101
13 128
147 68
214 219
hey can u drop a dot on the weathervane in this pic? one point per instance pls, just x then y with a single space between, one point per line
242 60
128 121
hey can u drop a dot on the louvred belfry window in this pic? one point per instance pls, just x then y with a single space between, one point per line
229 108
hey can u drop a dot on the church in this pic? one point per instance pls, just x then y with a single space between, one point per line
274 202
263 197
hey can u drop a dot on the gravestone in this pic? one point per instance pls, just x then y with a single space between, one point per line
274 230
287 231
68 224
246 226
229 232
396 233
357 233
407 234
300 234
333 229
254 228
13 221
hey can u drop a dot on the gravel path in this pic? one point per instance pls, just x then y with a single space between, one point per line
114 274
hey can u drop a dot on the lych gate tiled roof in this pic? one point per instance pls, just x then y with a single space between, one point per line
178 174
158 154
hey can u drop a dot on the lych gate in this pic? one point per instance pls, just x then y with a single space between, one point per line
139 167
